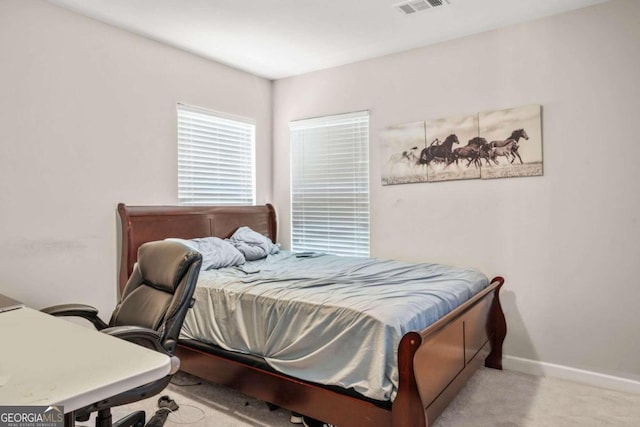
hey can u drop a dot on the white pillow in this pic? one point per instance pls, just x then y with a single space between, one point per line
216 253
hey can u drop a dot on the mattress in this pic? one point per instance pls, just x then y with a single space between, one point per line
326 319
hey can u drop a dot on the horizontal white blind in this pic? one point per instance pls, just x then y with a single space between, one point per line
215 158
330 184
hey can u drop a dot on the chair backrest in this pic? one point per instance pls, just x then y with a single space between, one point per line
159 291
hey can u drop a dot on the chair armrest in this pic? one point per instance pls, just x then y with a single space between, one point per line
145 337
137 334
77 310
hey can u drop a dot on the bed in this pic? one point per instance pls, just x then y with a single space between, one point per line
432 364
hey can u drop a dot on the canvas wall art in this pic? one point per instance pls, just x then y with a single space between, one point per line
495 144
400 146
446 140
514 136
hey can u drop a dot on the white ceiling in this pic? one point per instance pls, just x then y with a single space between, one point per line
281 38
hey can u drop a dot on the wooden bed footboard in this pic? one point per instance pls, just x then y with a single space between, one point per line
436 363
433 364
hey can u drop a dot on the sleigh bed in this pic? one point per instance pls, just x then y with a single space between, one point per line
433 364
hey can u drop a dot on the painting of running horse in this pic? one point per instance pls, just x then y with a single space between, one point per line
444 137
515 139
400 146
495 144
476 149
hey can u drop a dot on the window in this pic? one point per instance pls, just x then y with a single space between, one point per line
215 158
330 184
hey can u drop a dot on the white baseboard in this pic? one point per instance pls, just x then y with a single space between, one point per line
596 379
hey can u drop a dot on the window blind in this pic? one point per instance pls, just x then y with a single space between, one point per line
215 158
330 184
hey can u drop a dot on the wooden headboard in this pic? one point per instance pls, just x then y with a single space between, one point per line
141 224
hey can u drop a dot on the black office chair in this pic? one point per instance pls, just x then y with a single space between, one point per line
150 313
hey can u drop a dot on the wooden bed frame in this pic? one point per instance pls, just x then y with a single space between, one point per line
433 364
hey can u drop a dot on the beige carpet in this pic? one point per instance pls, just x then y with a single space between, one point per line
491 398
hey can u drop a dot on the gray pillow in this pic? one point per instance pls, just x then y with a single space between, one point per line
216 253
252 244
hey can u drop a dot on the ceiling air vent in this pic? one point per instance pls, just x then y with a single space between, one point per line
413 6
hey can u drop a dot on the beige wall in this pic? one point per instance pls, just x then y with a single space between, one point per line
87 120
568 242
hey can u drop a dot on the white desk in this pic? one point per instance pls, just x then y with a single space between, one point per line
50 361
